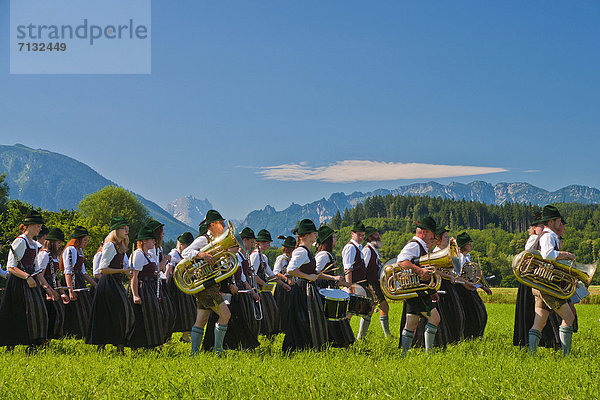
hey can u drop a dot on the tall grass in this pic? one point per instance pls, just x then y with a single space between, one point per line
487 368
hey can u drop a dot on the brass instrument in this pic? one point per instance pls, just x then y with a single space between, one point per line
258 311
557 278
398 283
193 276
451 252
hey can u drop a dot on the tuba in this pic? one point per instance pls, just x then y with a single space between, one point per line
553 277
398 283
193 276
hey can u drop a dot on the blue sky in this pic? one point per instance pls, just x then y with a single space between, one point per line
239 86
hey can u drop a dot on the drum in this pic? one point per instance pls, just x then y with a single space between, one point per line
360 305
335 303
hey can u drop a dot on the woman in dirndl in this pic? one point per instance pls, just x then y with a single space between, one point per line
307 325
282 295
77 312
149 325
161 261
184 305
111 319
340 332
48 260
23 316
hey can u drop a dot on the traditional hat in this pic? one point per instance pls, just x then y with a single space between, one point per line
305 227
370 230
33 218
186 238
154 224
427 223
247 233
289 242
117 222
202 229
325 233
463 239
549 213
212 216
44 231
263 236
440 230
56 235
79 232
146 232
358 227
535 218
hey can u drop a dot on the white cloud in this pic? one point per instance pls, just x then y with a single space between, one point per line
364 170
531 171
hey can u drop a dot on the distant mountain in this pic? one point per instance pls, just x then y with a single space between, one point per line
321 211
54 181
189 210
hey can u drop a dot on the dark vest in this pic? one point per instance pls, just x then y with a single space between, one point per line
422 251
359 270
28 259
76 268
149 270
536 245
50 271
311 266
117 261
262 271
373 266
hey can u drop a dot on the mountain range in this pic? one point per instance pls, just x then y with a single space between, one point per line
53 181
189 210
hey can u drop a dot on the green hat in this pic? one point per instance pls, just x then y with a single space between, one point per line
212 216
463 239
247 233
44 231
440 230
33 218
79 232
427 223
154 224
263 236
305 227
325 233
186 238
146 232
289 242
549 213
117 222
535 218
358 227
56 235
369 230
202 229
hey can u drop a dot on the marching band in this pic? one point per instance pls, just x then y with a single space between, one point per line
220 292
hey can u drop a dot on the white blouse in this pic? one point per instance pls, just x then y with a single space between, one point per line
69 257
19 247
322 258
255 263
281 263
299 258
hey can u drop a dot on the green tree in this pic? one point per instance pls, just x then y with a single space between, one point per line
3 193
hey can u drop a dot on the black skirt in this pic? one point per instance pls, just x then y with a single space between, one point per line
475 312
340 333
168 310
249 312
524 317
56 317
307 325
452 325
149 325
77 313
111 319
270 324
184 306
23 316
282 297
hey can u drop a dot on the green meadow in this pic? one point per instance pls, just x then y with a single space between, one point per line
486 368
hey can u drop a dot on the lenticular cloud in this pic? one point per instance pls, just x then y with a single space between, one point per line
364 170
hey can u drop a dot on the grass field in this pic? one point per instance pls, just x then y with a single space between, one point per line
487 368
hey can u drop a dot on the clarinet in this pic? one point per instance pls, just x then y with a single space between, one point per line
157 273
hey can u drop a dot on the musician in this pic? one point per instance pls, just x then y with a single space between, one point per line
550 250
96 263
23 316
282 295
271 322
41 238
149 327
423 304
475 311
356 270
525 305
112 315
373 263
340 332
307 325
452 315
184 304
243 277
77 312
209 298
161 261
48 260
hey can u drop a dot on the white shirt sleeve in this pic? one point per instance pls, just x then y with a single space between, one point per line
280 264
69 257
193 249
547 247
109 251
19 247
366 251
348 255
322 259
96 263
42 259
299 257
138 260
175 257
125 261
410 251
530 241
254 261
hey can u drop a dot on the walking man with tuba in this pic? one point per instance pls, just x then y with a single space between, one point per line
544 302
423 304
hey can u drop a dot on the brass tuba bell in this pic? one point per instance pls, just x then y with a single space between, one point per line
193 276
